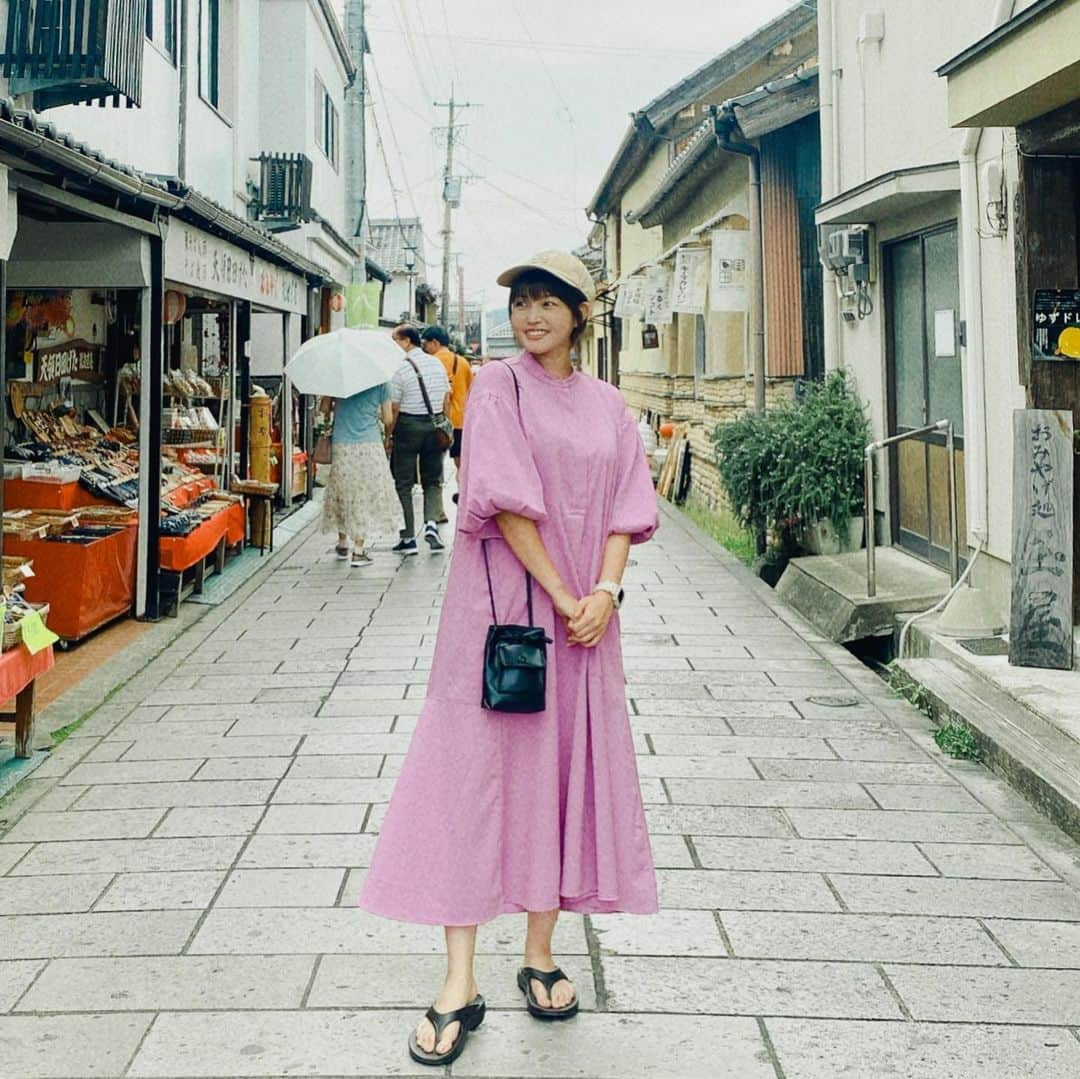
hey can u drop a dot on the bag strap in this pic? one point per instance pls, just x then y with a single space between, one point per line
423 388
491 590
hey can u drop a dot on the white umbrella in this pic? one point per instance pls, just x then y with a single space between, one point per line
344 362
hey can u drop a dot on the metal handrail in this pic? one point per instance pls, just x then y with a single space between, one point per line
868 482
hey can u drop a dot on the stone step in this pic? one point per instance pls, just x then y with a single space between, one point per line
1037 758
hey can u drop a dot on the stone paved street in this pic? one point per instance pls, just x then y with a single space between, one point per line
838 899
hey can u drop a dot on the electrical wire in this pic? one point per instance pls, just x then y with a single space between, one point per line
401 15
562 46
558 94
942 603
450 45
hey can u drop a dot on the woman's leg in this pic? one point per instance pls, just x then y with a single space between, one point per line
458 990
541 927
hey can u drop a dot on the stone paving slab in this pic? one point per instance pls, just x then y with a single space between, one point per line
40 1047
174 983
815 1049
837 897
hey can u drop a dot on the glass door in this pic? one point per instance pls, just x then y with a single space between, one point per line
925 385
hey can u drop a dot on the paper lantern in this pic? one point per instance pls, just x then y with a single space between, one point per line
173 306
337 302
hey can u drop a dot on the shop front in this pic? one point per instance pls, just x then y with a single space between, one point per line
74 338
229 317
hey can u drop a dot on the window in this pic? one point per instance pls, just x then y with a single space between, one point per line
161 25
210 51
327 125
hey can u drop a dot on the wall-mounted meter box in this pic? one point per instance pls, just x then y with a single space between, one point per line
848 250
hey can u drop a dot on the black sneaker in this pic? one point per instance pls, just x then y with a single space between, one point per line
432 537
406 547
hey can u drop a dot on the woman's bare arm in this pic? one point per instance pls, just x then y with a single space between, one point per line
524 539
590 621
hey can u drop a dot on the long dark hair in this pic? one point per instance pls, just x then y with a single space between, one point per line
539 284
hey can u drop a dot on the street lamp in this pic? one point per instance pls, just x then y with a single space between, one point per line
410 270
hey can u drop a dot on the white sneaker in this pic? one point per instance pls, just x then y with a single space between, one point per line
432 537
360 559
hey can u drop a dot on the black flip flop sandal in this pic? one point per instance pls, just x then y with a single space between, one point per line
470 1017
547 978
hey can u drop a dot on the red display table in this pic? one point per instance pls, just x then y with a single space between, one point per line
18 669
35 495
178 553
85 585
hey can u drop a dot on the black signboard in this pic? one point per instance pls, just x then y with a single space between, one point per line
1056 324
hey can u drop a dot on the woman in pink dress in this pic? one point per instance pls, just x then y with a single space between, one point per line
497 812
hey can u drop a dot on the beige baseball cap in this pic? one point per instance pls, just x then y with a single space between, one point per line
561 264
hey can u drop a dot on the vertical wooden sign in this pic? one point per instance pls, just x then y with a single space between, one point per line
1041 630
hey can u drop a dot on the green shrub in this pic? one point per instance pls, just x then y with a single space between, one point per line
796 464
828 436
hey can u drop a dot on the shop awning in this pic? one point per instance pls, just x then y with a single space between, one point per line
1028 66
78 254
890 194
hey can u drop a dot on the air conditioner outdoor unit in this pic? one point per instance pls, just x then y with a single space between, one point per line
849 251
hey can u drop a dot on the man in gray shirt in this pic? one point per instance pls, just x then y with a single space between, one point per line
414 436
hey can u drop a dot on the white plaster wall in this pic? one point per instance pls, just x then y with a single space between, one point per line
640 245
328 181
146 137
891 113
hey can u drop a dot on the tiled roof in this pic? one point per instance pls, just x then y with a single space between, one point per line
389 237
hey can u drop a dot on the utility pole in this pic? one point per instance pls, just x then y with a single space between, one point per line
356 136
451 199
461 302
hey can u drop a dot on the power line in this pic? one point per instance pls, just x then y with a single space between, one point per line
401 16
450 46
560 46
516 175
528 206
558 93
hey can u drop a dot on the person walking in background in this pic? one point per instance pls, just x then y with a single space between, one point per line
436 342
496 812
414 439
360 502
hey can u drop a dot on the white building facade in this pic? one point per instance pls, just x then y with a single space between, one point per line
931 332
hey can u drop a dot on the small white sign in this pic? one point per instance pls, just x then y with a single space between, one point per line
944 333
730 270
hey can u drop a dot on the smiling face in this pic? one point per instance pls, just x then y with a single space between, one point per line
541 325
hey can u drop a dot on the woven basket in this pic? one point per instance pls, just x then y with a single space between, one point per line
13 630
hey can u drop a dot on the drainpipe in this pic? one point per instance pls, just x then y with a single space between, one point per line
978 479
723 124
182 105
827 114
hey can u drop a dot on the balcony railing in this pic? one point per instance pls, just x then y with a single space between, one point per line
284 189
64 51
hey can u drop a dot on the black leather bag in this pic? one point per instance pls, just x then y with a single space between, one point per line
515 659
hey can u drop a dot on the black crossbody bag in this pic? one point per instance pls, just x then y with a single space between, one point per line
443 428
515 657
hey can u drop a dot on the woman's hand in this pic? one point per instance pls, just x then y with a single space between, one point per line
566 605
589 622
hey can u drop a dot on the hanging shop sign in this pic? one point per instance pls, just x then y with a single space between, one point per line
194 257
72 359
631 298
691 281
658 283
728 289
1056 322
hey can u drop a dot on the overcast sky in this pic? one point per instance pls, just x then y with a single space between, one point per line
552 82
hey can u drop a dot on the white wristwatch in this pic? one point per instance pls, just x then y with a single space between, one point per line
613 589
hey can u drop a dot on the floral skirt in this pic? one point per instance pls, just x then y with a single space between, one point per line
360 499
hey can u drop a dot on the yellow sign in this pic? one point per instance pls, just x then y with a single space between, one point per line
35 634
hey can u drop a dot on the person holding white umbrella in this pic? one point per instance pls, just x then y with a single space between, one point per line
351 370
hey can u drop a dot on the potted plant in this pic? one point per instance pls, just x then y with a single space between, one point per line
823 483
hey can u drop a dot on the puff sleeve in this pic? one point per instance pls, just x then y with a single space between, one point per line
497 468
634 510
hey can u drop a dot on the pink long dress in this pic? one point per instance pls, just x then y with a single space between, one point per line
493 812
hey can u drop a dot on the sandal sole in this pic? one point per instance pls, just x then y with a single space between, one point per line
421 1056
538 1011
